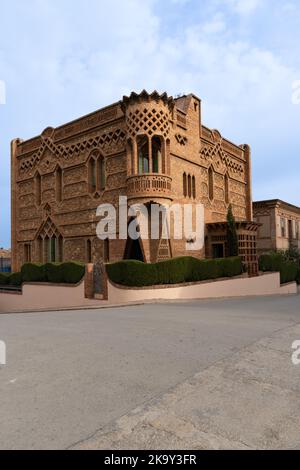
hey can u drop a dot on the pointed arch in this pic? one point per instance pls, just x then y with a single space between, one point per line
143 154
194 187
189 186
50 243
184 185
226 188
211 183
59 184
38 188
156 154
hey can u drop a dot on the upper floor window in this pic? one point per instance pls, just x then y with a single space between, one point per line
189 186
96 172
194 187
184 185
143 154
38 189
282 226
59 184
210 183
226 188
156 154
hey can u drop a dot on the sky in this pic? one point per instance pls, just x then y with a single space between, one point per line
60 59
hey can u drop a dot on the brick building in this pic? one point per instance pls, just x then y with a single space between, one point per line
149 147
280 225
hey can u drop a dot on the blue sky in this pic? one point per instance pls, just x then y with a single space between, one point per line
60 59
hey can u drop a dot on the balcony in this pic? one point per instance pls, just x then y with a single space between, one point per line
149 185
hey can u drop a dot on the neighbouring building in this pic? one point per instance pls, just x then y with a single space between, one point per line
280 225
151 148
5 260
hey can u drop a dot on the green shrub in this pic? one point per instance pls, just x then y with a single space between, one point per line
276 262
54 272
172 271
15 279
33 272
4 279
69 273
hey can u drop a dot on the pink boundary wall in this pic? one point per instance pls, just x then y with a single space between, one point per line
37 297
45 297
267 284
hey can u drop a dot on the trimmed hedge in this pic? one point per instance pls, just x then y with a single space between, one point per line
66 273
173 271
14 279
289 270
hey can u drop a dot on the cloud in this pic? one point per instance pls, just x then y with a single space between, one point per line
65 60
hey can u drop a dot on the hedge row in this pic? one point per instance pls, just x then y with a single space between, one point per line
67 273
289 270
173 271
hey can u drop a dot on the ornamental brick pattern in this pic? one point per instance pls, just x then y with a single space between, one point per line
143 147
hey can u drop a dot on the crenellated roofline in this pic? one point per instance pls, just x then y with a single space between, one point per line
145 96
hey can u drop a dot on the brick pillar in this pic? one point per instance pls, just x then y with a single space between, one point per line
89 281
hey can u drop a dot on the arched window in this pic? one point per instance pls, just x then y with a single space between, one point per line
53 249
89 251
38 189
226 188
211 183
156 154
60 248
59 184
194 187
101 173
92 175
184 185
143 155
189 186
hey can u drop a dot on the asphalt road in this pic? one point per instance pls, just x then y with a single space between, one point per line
68 374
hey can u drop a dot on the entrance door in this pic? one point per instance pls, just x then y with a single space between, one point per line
218 250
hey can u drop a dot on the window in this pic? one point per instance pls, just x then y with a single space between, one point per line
194 187
52 249
27 253
96 172
210 183
226 184
297 230
282 225
101 173
89 251
92 175
38 189
59 184
189 186
143 155
60 243
156 154
184 185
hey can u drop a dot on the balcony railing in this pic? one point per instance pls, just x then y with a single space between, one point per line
149 185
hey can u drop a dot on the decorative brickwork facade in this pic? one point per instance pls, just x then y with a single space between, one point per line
149 147
280 225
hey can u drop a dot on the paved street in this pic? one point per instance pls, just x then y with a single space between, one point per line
207 374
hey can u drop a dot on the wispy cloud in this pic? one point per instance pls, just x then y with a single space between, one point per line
66 58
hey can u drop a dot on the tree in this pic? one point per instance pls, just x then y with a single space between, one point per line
232 238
